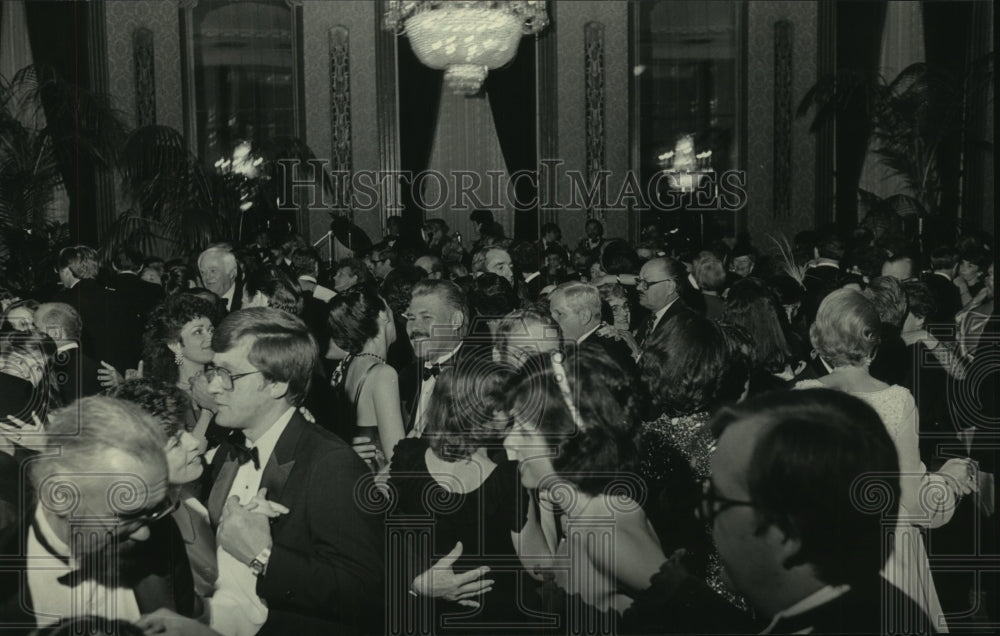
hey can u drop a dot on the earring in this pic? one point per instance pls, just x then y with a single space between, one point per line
178 358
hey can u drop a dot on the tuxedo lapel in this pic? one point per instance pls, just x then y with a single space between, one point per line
279 466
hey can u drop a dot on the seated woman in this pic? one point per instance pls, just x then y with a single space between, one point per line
846 336
367 389
176 346
447 477
169 406
575 426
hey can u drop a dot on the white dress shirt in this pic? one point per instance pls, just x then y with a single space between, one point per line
426 388
53 600
236 608
819 597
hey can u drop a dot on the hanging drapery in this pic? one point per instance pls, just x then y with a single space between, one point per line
511 94
902 45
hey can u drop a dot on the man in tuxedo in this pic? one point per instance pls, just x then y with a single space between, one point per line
219 273
576 307
659 284
793 534
318 568
594 239
947 298
437 321
823 276
140 294
99 540
76 370
109 334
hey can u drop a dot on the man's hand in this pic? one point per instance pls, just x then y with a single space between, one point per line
168 623
243 533
260 505
441 581
108 376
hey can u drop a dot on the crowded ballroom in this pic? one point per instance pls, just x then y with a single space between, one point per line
498 317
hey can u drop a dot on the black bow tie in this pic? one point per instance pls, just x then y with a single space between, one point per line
431 371
239 451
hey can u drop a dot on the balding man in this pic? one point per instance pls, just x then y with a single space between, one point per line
100 540
659 285
76 370
576 307
219 272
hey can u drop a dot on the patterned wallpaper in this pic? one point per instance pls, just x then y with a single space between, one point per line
122 19
761 116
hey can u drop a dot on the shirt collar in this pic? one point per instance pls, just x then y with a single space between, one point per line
943 275
266 443
532 276
67 347
445 357
693 282
308 278
662 310
48 535
588 334
819 597
228 296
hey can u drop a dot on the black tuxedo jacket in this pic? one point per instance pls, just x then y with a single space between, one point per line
678 308
819 282
142 295
77 375
160 576
947 299
111 331
326 568
617 350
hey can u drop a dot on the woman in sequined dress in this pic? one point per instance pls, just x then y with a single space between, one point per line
688 370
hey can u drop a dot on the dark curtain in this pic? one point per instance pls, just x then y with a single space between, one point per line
419 100
58 35
511 92
859 43
946 38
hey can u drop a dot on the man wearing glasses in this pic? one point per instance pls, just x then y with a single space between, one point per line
98 542
804 488
659 292
318 567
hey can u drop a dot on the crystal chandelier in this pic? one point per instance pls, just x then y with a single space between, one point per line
465 38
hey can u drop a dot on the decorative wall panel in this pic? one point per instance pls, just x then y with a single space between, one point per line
340 108
782 176
594 114
143 59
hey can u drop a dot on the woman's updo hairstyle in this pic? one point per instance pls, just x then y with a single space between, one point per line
846 330
353 317
594 430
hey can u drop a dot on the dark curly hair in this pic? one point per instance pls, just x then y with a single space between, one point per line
164 327
683 365
353 317
165 402
592 451
281 291
753 306
461 414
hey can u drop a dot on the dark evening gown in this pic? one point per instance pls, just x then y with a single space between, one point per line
482 520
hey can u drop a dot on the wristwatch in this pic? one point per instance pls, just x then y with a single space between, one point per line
259 563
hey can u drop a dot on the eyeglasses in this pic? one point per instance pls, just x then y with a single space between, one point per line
712 503
145 517
226 379
642 283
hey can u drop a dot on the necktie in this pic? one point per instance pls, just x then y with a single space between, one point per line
431 371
